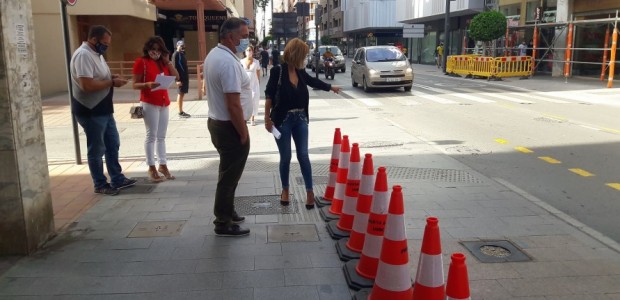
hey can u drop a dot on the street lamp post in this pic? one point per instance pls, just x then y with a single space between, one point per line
446 42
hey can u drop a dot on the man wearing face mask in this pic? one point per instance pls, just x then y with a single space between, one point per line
91 104
226 81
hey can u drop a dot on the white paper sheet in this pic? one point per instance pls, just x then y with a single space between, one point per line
164 82
275 132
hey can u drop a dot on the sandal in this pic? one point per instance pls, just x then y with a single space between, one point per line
164 170
310 200
154 176
283 195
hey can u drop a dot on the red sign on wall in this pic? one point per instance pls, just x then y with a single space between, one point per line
70 2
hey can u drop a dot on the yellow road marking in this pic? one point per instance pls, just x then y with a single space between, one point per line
555 117
581 172
610 130
501 141
614 185
524 150
550 160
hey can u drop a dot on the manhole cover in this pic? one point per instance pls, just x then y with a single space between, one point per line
292 233
157 229
264 205
496 251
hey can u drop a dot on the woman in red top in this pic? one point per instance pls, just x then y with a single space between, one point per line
154 102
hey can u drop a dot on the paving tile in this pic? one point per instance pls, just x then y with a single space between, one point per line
221 294
314 276
322 260
334 292
306 292
489 271
530 287
539 269
125 243
218 265
290 261
256 279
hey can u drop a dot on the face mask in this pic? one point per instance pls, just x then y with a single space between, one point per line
101 48
155 55
243 44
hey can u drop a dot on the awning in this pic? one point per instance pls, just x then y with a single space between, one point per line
458 13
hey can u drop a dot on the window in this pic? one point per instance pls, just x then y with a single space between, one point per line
384 54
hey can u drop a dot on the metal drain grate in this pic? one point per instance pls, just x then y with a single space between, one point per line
143 186
264 205
496 251
444 175
381 144
315 180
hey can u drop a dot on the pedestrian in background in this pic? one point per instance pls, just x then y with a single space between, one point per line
439 55
91 104
252 68
522 49
289 115
275 57
155 104
180 64
226 81
264 60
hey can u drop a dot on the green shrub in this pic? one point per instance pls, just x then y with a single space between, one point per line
487 26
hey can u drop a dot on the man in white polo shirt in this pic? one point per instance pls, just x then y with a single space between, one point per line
227 85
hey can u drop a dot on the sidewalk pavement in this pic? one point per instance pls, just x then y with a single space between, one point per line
156 241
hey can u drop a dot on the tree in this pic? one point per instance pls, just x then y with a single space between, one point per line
325 40
487 26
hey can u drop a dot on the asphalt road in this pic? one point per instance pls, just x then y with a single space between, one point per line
556 141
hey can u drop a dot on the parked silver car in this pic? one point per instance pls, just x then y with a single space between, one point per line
381 67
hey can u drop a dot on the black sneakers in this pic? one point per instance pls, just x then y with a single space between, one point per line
231 230
107 189
184 115
125 184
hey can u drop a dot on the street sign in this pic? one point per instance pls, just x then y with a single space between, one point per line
70 2
413 30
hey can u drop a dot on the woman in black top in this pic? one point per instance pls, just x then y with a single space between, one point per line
289 114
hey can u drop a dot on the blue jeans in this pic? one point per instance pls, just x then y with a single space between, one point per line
295 124
102 139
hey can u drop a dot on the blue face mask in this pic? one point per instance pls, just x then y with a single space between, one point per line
243 44
101 48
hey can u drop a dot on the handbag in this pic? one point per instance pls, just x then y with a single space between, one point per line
276 97
136 111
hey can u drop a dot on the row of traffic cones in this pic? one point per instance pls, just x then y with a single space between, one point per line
371 236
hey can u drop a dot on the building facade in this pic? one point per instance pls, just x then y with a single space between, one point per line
131 22
332 22
372 22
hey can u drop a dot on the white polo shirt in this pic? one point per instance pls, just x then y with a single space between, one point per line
224 74
85 62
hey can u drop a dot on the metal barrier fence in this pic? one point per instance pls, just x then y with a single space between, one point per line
490 67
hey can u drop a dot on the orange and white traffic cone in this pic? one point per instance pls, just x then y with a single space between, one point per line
333 212
393 279
341 228
361 273
457 286
333 169
429 284
351 248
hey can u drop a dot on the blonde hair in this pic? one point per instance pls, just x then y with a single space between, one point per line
295 53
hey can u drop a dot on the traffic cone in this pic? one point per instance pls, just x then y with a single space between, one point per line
393 279
341 228
333 169
351 248
361 273
333 212
429 284
457 287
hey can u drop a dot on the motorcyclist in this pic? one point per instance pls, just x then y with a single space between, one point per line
328 56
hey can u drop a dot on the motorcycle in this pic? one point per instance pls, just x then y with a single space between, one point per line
330 70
